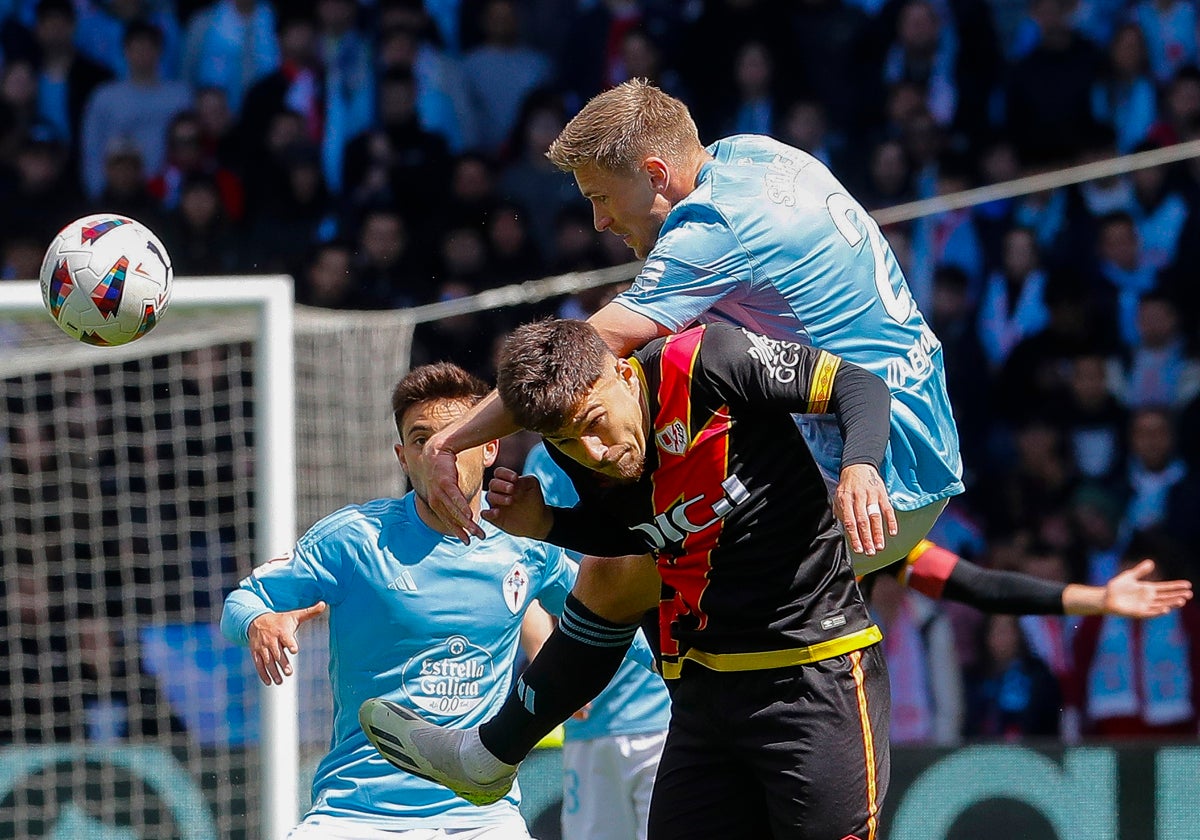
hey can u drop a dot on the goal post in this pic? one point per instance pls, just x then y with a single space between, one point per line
44 377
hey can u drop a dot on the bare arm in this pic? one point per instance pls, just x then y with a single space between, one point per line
624 330
487 420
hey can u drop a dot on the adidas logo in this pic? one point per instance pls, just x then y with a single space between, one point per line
404 583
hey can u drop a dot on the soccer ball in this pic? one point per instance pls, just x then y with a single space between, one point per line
106 280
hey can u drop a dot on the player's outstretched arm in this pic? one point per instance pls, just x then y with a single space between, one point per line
486 421
1130 594
273 637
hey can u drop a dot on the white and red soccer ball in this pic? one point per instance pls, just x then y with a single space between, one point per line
106 279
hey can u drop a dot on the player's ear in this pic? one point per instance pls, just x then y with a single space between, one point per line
659 173
490 450
399 448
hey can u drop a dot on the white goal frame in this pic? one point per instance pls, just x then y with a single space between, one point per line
274 479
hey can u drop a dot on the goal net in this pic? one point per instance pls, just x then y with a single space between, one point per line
140 483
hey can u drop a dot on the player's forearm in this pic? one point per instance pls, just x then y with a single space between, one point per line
241 608
487 420
1010 593
1080 599
863 406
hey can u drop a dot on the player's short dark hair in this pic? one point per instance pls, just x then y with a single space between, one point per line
437 381
545 370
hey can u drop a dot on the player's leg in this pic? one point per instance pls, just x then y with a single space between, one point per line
595 804
821 750
644 755
914 526
580 657
700 792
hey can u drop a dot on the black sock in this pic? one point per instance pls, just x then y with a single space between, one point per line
574 665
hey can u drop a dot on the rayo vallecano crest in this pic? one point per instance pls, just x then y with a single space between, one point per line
672 438
516 587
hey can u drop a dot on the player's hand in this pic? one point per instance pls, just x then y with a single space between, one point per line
1132 595
584 713
444 495
516 505
273 637
861 504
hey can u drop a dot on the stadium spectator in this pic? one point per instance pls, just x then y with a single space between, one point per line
203 238
139 108
1013 304
754 107
348 59
1011 695
387 272
189 159
43 194
125 189
1159 211
512 255
1159 483
230 45
327 279
1123 275
927 686
529 179
104 27
1179 109
66 79
1048 95
397 160
1160 370
501 73
1169 27
1091 419
925 52
299 213
298 85
443 105
1124 96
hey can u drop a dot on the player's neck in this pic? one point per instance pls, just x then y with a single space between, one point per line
435 522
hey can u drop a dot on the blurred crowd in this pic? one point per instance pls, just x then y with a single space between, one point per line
390 153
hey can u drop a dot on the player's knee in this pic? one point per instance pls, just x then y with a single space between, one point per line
618 589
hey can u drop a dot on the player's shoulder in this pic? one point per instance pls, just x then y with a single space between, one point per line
352 521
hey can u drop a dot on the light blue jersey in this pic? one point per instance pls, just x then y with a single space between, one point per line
414 616
771 241
636 701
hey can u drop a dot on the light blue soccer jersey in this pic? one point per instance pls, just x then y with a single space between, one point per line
414 616
636 701
771 241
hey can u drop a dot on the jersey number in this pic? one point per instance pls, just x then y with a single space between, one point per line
844 212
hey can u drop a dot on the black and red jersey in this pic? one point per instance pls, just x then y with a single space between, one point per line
731 501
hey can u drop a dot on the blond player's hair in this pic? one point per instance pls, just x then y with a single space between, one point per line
618 129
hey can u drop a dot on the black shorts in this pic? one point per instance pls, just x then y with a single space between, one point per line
795 753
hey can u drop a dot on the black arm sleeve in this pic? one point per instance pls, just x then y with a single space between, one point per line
1011 593
583 529
863 406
